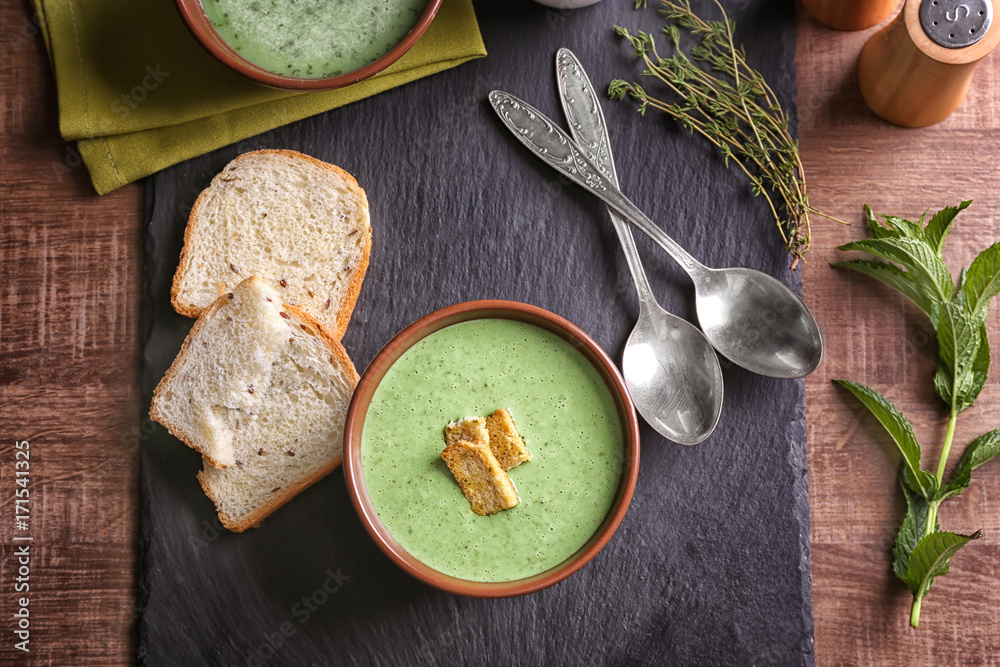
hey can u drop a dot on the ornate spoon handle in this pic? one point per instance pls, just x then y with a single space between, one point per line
553 146
590 131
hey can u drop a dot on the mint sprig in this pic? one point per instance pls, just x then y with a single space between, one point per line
908 257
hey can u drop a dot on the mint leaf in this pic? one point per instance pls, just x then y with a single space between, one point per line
894 226
937 229
932 558
980 366
982 281
979 451
914 526
902 433
959 482
959 341
903 226
894 277
951 489
924 265
874 227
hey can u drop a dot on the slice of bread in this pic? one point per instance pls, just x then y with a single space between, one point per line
262 391
298 223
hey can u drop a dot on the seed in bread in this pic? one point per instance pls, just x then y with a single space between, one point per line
470 429
299 224
261 390
485 484
505 441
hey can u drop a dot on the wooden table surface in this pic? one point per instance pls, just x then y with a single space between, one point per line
878 338
69 338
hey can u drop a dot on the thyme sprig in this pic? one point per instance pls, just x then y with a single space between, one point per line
730 104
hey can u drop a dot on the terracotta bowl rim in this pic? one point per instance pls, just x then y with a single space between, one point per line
387 356
200 26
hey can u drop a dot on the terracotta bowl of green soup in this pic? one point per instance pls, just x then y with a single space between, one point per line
308 44
570 406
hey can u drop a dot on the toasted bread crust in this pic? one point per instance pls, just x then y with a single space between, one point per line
354 287
343 316
280 499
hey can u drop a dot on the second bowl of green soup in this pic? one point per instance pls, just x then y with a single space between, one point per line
308 44
569 405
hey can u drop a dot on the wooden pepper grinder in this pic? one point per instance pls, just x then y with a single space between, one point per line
850 14
916 71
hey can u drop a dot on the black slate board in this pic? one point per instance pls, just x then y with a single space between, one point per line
710 565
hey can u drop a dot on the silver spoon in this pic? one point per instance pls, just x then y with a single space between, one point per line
670 368
751 318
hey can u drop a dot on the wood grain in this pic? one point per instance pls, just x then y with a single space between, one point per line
69 355
69 310
873 336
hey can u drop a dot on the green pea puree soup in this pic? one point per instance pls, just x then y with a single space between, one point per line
565 413
313 38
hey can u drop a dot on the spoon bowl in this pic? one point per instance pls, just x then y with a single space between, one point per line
756 322
734 305
673 376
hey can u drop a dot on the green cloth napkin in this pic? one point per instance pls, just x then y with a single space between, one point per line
139 93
